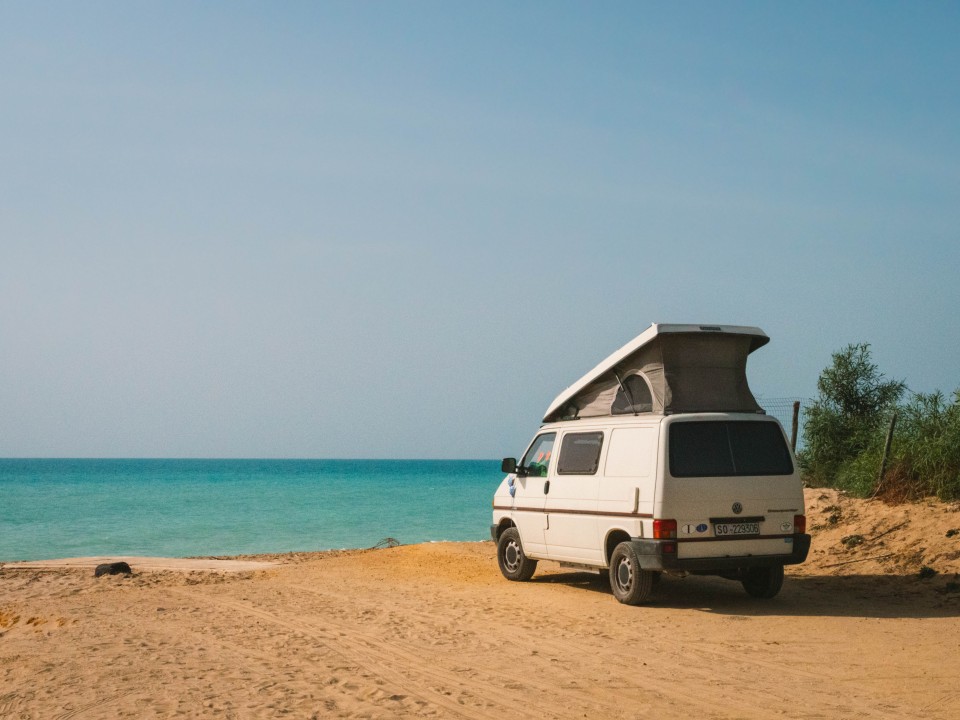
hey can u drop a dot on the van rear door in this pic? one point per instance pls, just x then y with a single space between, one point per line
731 485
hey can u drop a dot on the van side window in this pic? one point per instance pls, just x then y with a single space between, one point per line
580 453
537 460
637 399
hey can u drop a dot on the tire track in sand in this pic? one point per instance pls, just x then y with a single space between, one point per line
703 672
83 709
593 699
8 703
514 687
379 665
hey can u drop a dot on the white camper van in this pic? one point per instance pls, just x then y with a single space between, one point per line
657 460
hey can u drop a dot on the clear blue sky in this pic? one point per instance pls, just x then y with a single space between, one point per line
358 229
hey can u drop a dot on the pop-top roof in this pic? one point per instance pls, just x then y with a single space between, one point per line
668 369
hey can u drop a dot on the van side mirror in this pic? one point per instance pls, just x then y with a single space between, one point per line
508 465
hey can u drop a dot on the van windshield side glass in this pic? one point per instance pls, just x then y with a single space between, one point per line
537 460
728 448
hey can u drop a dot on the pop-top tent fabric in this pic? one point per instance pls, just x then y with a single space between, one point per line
668 369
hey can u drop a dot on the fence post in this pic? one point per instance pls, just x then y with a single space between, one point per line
796 422
886 453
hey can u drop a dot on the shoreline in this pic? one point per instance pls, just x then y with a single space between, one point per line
150 561
145 564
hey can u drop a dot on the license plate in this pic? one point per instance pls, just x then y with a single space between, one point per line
736 529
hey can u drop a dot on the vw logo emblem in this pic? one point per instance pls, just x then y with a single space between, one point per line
737 508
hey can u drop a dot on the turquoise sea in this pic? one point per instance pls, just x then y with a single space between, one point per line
178 508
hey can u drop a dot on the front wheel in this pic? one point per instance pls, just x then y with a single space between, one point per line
514 564
630 583
763 582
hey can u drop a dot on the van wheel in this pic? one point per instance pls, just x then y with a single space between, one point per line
630 583
763 582
514 564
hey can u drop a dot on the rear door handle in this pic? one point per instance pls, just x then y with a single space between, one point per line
546 487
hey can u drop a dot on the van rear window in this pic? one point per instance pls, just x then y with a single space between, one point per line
728 448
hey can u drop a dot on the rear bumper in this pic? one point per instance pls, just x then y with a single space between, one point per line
657 555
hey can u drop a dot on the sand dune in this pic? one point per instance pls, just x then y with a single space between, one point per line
434 631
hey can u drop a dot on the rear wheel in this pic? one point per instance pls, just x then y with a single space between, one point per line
763 582
630 583
514 564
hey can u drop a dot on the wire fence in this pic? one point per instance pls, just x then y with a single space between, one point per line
782 409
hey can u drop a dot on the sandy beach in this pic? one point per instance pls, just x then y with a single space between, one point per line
434 631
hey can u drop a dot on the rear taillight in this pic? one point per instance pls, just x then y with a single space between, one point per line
799 523
664 529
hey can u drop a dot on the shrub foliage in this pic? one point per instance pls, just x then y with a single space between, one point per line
845 431
926 449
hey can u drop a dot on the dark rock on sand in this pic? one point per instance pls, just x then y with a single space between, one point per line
115 568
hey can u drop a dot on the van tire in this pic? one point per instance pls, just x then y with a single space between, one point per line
763 582
630 583
514 563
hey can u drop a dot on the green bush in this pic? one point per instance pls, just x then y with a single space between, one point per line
845 431
858 475
926 448
843 426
